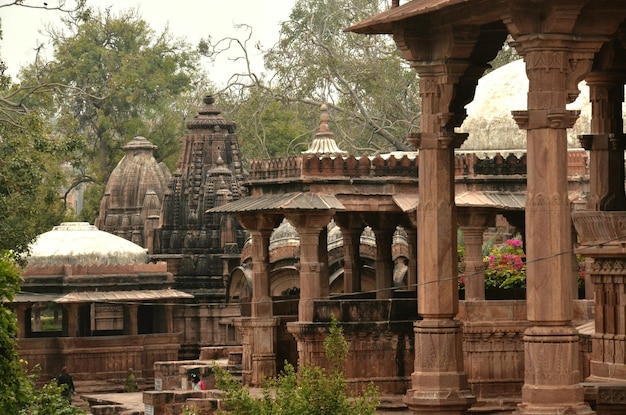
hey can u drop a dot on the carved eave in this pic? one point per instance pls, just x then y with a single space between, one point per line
383 23
601 233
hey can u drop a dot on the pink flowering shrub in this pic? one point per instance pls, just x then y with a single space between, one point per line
505 266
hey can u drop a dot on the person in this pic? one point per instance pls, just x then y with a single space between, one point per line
198 384
66 379
131 382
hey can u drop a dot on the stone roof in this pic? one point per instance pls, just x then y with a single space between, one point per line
297 201
101 296
383 23
79 243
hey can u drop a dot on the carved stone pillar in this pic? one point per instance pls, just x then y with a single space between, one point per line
606 157
473 223
20 313
70 320
169 318
606 147
261 299
314 283
439 383
384 262
130 319
603 241
411 272
351 229
261 329
554 66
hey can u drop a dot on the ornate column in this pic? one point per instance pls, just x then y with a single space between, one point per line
606 141
384 262
411 280
473 222
70 320
351 229
22 324
439 383
314 283
601 233
605 145
130 319
555 63
261 328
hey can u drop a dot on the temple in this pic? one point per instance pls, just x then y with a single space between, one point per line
449 44
264 258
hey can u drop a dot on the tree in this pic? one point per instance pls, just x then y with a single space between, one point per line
31 178
371 92
13 381
121 79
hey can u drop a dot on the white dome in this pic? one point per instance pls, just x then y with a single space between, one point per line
489 121
79 243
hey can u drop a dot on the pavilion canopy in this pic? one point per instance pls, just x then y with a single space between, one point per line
382 23
297 201
100 296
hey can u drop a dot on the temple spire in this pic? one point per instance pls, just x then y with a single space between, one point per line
323 143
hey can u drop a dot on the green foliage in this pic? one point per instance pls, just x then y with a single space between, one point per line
13 383
317 62
267 128
31 178
115 79
49 401
506 267
312 390
506 55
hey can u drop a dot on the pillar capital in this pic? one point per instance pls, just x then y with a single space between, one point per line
310 221
259 221
473 217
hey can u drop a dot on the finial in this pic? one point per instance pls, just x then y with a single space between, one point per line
323 143
324 117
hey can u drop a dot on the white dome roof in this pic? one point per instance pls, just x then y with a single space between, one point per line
489 121
79 243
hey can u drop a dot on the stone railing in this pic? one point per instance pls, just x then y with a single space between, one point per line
306 166
470 163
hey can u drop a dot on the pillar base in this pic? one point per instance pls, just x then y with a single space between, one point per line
441 402
527 409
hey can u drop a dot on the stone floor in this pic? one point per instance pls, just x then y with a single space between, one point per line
132 403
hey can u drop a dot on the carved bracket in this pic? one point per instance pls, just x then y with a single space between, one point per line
550 118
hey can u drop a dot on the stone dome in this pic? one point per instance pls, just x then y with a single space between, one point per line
79 243
134 193
489 121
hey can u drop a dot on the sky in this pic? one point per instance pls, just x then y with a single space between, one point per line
190 19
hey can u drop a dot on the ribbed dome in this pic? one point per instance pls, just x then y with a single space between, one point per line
489 121
79 243
134 192
285 235
137 173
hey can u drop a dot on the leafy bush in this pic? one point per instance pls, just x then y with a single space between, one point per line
312 390
506 266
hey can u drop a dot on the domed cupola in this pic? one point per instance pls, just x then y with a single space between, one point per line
134 193
79 243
